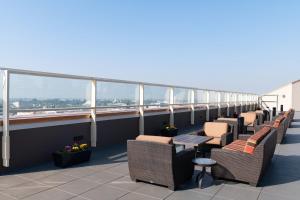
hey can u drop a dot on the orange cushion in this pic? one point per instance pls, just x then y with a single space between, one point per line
255 139
237 145
249 117
158 139
215 129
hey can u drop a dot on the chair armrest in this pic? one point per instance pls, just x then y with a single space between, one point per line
201 132
226 138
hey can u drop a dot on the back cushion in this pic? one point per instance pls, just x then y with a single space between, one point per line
158 139
215 129
249 117
278 121
255 139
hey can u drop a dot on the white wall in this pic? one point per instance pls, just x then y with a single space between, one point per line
296 95
285 97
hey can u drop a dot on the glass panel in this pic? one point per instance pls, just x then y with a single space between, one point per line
232 97
117 96
223 97
201 97
37 92
1 94
213 97
182 96
156 97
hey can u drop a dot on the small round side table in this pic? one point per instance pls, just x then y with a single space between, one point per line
203 162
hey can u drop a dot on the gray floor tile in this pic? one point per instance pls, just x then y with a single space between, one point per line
50 195
79 171
120 169
24 190
135 196
103 177
56 180
38 174
126 183
237 193
154 191
269 196
188 195
5 197
11 180
104 193
78 186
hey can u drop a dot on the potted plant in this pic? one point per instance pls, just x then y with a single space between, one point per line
169 130
70 155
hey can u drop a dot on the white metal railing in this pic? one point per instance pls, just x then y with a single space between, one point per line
226 98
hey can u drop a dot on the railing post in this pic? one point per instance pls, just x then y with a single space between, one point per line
171 106
192 102
219 104
141 109
93 114
207 106
5 135
228 103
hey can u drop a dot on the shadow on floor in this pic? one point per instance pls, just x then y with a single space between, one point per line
100 156
291 139
295 126
284 170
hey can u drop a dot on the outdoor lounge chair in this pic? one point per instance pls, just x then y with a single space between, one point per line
280 124
245 161
220 131
153 159
250 120
236 123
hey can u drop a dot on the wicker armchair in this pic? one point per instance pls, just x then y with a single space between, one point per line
221 132
280 124
158 163
236 123
235 164
250 120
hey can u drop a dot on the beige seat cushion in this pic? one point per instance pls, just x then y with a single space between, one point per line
215 129
228 119
259 111
249 117
158 139
216 141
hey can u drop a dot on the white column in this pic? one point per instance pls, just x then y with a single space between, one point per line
219 104
93 114
171 106
192 102
5 136
235 103
141 109
207 106
228 103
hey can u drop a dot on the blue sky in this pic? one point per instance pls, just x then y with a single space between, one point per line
251 46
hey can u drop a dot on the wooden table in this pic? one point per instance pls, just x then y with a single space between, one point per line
191 141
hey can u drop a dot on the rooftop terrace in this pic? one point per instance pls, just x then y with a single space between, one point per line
106 177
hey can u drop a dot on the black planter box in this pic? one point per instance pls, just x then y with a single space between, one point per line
169 133
66 159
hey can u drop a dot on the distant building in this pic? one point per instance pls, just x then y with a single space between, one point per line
288 96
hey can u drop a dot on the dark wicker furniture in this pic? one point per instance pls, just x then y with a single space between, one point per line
245 167
159 164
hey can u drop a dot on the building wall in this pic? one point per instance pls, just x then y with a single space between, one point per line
285 97
296 96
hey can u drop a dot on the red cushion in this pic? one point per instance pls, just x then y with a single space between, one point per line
255 139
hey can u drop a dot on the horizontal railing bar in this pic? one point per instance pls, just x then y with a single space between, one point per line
69 76
124 106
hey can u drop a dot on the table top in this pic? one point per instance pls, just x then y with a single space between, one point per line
204 161
191 140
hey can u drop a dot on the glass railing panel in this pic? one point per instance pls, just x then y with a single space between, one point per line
39 95
156 97
114 97
182 97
